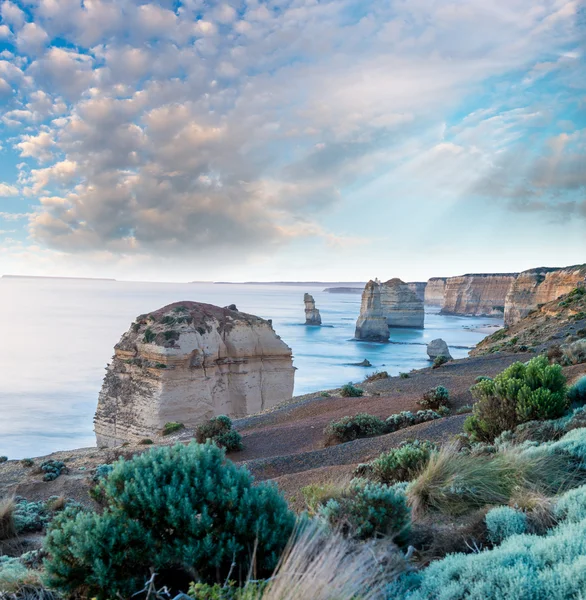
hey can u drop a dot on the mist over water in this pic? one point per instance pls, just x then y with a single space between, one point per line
58 336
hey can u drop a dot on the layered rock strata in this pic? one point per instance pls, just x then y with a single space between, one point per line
372 324
188 362
400 305
480 295
312 316
419 288
539 286
434 291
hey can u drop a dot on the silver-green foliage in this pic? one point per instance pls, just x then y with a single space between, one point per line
503 521
184 508
571 506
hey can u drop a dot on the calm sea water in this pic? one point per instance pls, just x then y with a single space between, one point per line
57 336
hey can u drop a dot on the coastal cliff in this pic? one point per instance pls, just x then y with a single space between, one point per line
371 323
400 305
418 287
539 286
434 291
477 294
188 362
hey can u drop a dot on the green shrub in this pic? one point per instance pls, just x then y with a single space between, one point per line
52 469
27 462
404 375
503 522
368 510
351 428
577 393
571 506
440 360
438 396
523 392
406 419
226 591
574 353
219 430
467 408
17 579
351 391
522 567
149 336
318 494
180 510
172 427
399 464
3 459
146 442
482 378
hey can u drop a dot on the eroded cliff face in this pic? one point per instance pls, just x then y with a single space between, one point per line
312 316
400 305
539 286
477 294
188 362
434 291
371 323
418 287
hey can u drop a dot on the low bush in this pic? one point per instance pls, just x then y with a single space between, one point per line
319 494
52 469
406 419
351 428
219 430
180 510
440 360
467 408
351 391
172 427
17 579
574 353
149 336
503 521
482 378
577 393
399 464
571 506
404 375
368 510
523 392
3 459
27 462
377 375
436 397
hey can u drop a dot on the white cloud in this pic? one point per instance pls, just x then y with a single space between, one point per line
11 14
31 39
37 146
8 190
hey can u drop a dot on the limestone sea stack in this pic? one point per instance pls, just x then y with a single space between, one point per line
372 324
400 305
437 348
434 291
312 316
418 287
539 286
188 362
479 295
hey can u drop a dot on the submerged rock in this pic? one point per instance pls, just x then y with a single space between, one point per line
312 316
372 324
188 362
400 305
437 348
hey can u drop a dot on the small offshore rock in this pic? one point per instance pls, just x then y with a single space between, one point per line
437 348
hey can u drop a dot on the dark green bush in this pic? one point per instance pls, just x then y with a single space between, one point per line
351 391
27 462
172 427
219 430
440 360
184 511
351 428
523 392
438 396
3 459
52 469
368 510
399 464
149 336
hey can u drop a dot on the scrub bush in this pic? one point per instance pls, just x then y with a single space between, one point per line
438 396
351 428
503 522
399 464
440 360
577 393
523 392
184 511
351 391
368 510
172 427
52 469
16 579
3 459
219 430
406 419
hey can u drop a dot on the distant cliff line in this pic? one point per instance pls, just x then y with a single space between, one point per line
57 277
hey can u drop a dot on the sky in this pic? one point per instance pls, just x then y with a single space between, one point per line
291 139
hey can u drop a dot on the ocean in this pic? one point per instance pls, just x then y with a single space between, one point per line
57 336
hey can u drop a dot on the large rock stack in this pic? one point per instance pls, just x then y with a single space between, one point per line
400 305
372 324
188 362
312 316
435 290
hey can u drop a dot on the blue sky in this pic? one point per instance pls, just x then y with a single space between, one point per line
291 139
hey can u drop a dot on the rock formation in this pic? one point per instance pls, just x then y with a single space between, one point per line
400 305
539 286
312 316
372 324
434 291
437 348
419 288
188 362
480 295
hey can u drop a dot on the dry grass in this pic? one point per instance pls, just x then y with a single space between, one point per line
7 527
57 504
326 566
318 494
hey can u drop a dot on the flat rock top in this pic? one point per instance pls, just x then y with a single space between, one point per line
201 313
